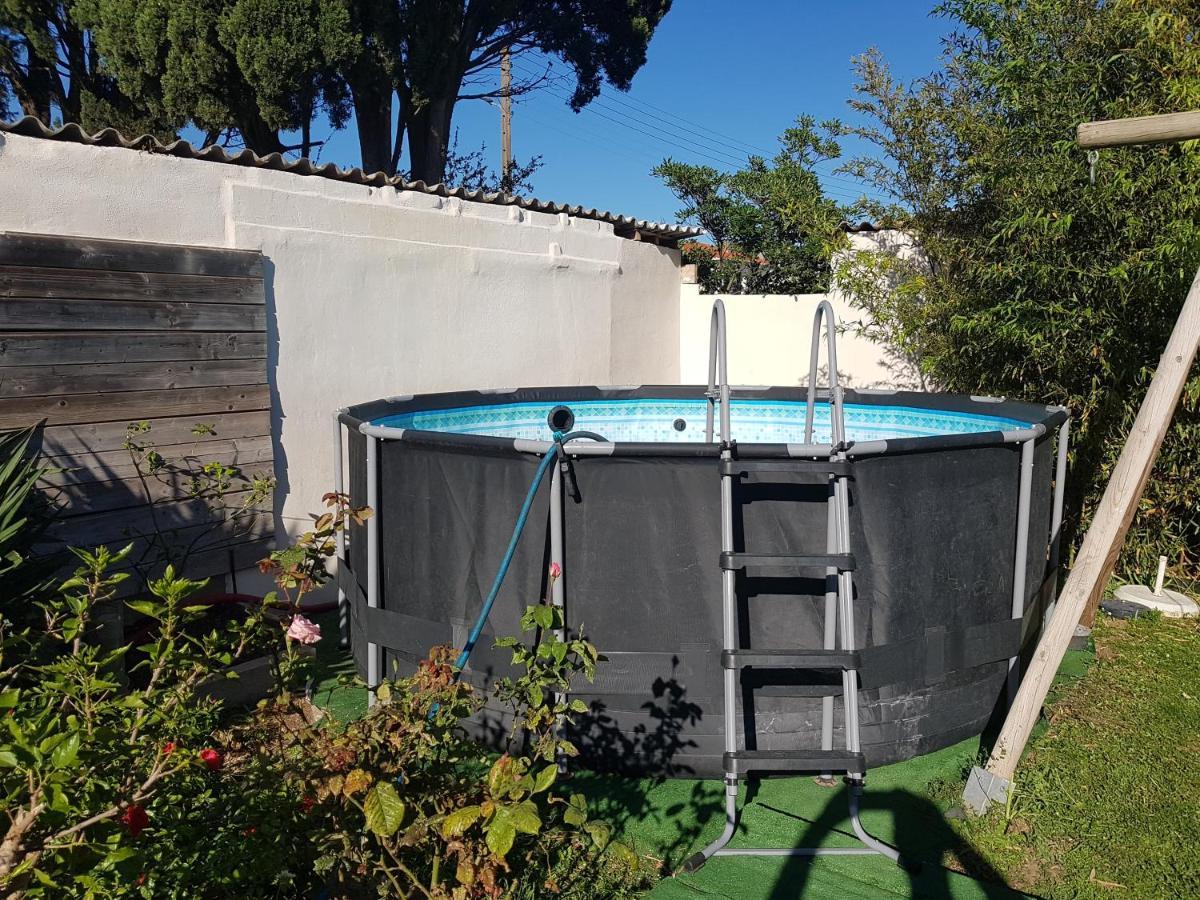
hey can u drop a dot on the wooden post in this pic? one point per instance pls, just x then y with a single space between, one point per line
1183 126
1094 564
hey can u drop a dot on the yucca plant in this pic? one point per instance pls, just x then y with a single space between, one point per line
22 514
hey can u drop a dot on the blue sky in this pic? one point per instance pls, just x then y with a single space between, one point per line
735 75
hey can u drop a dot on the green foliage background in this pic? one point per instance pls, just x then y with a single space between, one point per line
770 222
1035 283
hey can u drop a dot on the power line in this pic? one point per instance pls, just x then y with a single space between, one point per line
647 160
604 102
710 133
853 193
757 151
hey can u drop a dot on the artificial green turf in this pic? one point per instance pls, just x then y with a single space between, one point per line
672 819
334 668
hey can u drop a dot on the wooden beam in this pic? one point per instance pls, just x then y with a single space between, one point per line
101 437
57 251
132 406
41 348
21 314
1182 126
104 378
1094 563
102 284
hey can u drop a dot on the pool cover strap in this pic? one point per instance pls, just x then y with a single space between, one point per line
927 659
938 652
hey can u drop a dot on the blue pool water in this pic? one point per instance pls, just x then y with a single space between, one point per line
753 421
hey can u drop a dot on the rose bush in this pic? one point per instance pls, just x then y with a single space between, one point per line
123 778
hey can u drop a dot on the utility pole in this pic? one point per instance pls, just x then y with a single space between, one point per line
506 122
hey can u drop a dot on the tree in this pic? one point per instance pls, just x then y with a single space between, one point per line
1036 283
251 69
49 65
254 67
433 53
773 229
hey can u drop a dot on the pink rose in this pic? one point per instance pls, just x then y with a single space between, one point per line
555 570
303 631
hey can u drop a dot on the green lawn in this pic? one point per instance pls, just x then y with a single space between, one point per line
1105 804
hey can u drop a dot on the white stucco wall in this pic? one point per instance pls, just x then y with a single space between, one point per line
769 335
373 292
769 339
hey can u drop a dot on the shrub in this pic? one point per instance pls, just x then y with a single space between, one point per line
1034 282
154 791
86 764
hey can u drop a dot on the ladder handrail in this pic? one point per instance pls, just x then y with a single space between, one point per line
718 353
836 420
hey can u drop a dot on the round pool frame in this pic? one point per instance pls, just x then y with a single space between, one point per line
946 525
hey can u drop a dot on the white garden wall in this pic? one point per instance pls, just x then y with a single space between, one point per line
373 292
769 335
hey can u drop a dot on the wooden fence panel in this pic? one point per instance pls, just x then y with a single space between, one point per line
96 334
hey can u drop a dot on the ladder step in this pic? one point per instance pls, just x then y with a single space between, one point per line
741 762
843 562
822 467
789 659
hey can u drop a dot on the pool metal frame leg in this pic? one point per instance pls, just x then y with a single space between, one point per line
841 623
1021 556
339 485
1054 558
374 651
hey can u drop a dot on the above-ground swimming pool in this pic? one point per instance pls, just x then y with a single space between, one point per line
935 515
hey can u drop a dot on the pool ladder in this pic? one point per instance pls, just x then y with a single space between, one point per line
823 464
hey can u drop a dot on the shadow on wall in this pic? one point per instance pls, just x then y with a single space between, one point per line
282 486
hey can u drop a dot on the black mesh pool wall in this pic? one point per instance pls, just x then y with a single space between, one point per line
933 531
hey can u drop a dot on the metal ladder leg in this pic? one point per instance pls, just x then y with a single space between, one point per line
718 368
845 600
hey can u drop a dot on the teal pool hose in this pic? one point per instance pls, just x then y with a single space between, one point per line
551 455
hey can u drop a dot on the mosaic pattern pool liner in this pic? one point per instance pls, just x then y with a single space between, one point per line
651 420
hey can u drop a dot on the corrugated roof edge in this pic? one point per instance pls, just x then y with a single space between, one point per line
623 226
862 227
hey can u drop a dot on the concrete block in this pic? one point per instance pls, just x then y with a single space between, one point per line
983 789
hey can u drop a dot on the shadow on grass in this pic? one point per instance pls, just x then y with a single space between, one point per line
921 835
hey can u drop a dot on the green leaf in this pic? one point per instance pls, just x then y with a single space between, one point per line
9 698
600 832
543 616
576 813
624 855
544 779
45 878
500 834
8 759
536 695
525 817
66 754
383 693
578 706
384 809
145 607
460 820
